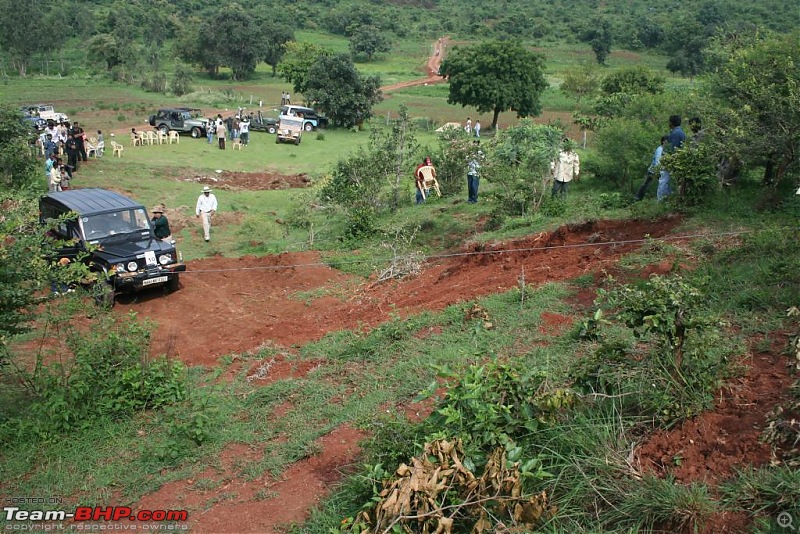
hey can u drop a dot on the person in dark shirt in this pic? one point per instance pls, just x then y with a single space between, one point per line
160 223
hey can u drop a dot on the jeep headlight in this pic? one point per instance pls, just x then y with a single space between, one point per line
132 266
120 267
165 259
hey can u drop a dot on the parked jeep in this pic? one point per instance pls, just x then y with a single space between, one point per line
45 112
289 129
311 119
260 123
180 120
114 236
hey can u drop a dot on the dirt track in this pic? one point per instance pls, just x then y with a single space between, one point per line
234 305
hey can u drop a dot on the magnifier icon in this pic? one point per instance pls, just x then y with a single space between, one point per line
785 520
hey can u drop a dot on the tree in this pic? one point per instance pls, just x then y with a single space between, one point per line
182 80
369 40
519 165
581 83
599 36
756 81
277 35
103 48
340 91
17 165
22 31
496 76
632 81
240 45
298 61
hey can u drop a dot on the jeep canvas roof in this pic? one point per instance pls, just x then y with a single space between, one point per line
89 201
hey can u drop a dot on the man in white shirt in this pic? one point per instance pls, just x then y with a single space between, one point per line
565 169
206 207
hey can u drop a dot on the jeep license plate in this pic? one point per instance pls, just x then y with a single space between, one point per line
157 280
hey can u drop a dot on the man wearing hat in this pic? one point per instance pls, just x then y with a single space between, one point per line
160 223
206 207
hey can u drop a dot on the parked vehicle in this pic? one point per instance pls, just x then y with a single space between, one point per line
45 112
290 129
180 120
260 123
114 236
311 119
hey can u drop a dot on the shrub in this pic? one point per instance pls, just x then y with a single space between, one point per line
109 374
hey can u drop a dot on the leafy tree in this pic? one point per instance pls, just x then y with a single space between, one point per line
636 80
581 83
182 80
369 40
297 62
103 48
455 145
22 31
277 35
496 76
239 42
519 165
756 81
17 164
340 91
599 36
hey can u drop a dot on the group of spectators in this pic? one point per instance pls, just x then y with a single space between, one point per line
64 139
234 127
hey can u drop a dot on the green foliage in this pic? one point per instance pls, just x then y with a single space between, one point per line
764 492
635 80
519 165
664 306
368 41
756 83
18 167
694 169
26 30
338 89
581 83
624 151
671 379
599 36
108 375
497 403
495 77
661 503
181 80
296 63
187 427
450 159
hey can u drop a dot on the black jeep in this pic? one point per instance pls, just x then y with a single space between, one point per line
113 234
180 120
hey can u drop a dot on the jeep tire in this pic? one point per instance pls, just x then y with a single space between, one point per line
163 128
308 126
195 132
272 129
174 283
104 294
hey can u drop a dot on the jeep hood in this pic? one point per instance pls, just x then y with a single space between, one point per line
116 252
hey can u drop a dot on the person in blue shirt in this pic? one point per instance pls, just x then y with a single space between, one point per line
653 170
675 138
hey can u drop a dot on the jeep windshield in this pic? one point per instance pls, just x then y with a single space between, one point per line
119 223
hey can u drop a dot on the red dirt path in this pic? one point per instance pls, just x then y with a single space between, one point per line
228 305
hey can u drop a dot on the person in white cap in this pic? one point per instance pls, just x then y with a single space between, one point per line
206 207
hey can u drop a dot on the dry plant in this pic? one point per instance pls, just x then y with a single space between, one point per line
403 262
416 498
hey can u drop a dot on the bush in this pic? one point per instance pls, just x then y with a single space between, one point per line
109 374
